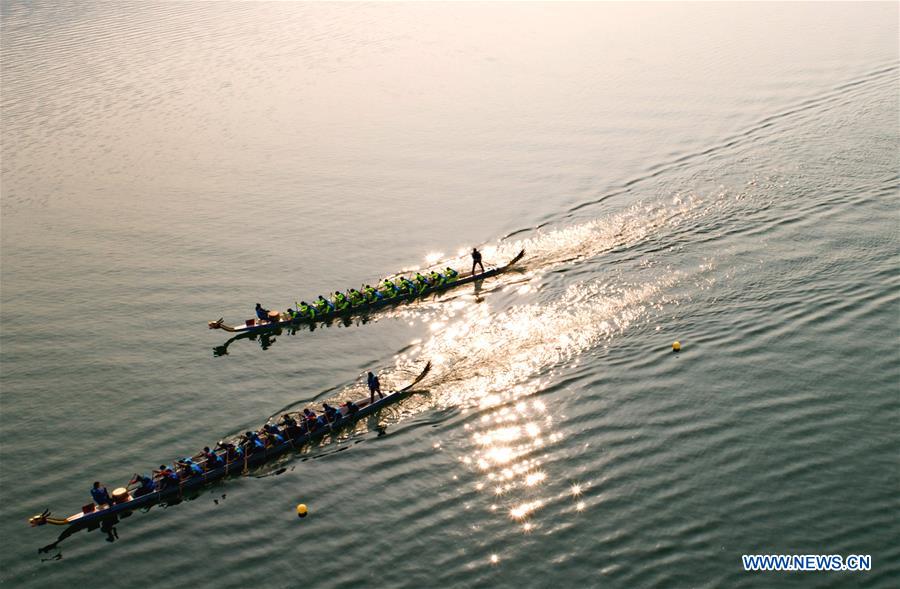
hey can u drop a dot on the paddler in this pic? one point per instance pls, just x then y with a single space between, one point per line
323 305
331 413
273 433
476 261
374 387
421 282
189 467
310 418
146 485
166 477
403 286
232 452
100 495
389 289
406 286
371 294
436 279
213 460
450 273
340 301
253 443
356 297
290 426
305 311
261 313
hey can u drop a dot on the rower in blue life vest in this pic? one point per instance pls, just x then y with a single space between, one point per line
352 408
261 313
188 467
374 387
254 444
436 278
145 485
450 273
273 433
100 495
166 477
212 459
232 452
476 261
332 414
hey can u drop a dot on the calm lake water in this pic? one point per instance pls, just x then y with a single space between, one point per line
725 175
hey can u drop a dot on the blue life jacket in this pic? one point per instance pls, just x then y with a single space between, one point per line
195 468
173 474
101 496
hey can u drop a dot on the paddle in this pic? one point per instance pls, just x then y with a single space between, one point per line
418 379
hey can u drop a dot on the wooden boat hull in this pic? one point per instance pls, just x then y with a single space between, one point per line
257 326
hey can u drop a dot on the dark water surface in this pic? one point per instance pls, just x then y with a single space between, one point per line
725 175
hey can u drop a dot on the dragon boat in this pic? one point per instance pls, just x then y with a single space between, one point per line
124 501
280 319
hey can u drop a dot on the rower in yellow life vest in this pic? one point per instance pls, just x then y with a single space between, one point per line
389 289
323 305
341 302
421 283
405 286
356 298
371 294
305 311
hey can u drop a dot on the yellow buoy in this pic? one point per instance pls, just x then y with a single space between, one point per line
301 510
676 346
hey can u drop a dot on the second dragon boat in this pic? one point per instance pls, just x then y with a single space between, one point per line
280 319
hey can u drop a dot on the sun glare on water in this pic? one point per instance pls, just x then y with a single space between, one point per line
491 362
